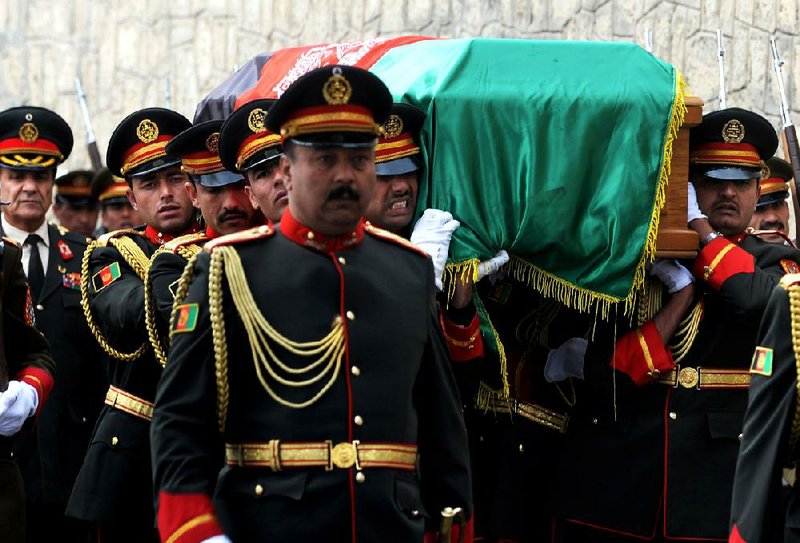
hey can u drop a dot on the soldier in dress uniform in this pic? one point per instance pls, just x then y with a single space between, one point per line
75 207
759 513
651 447
33 142
771 217
25 360
247 146
116 211
328 388
220 196
114 489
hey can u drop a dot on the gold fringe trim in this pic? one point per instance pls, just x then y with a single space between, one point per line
569 294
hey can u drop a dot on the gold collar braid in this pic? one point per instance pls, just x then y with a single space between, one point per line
329 351
133 255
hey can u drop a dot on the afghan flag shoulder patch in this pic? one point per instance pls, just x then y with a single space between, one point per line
762 361
186 318
106 276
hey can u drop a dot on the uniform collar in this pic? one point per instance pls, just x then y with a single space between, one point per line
20 235
305 236
211 233
160 238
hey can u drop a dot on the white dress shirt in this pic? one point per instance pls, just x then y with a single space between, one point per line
18 235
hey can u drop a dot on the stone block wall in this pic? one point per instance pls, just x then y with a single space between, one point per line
127 52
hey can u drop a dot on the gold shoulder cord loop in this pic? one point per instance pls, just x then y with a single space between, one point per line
329 351
684 337
649 301
794 309
87 310
218 335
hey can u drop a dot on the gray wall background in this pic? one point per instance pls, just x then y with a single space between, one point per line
125 49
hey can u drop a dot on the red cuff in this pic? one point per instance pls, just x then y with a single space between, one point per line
455 534
721 259
736 537
463 342
186 518
39 379
641 355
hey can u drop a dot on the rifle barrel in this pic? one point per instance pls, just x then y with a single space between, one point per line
721 61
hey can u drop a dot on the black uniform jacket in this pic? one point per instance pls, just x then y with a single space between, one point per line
660 459
114 484
51 456
758 514
394 386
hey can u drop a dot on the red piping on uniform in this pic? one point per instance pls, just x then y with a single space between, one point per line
611 530
349 390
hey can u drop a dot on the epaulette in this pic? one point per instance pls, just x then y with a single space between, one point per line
189 239
74 237
11 242
103 240
789 280
394 238
62 229
263 231
758 233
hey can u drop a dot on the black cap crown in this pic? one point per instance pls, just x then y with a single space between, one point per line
244 141
33 138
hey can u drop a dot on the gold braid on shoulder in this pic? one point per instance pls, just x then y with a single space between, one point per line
326 353
794 308
218 334
137 260
161 345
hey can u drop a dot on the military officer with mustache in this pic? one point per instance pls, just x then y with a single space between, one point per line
771 218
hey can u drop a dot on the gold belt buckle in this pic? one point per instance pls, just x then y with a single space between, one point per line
345 455
689 377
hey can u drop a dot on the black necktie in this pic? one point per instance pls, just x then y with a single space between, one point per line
35 268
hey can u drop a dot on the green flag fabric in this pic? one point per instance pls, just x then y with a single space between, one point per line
556 151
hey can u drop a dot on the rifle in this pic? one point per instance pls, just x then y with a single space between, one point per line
91 142
648 39
790 146
721 62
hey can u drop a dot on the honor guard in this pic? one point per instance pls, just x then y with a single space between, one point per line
247 146
221 198
116 211
327 388
33 142
760 513
114 489
666 426
771 218
75 207
35 139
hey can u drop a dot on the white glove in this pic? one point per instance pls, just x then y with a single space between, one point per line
217 539
693 211
17 403
488 267
674 276
432 234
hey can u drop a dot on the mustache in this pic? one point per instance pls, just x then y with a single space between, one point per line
343 192
773 226
229 213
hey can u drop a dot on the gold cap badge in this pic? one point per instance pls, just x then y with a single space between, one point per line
337 90
765 171
256 120
147 131
212 142
28 133
393 126
733 131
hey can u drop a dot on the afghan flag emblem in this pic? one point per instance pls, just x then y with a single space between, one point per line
186 318
106 276
762 361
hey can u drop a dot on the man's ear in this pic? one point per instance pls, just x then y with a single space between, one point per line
131 198
191 190
285 166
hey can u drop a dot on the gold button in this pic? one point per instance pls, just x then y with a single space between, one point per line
358 420
351 315
259 490
39 307
521 448
342 261
310 235
595 421
741 436
355 370
673 415
114 440
414 513
360 477
263 229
